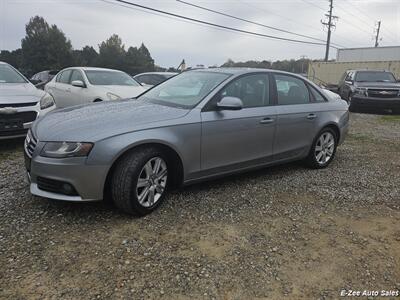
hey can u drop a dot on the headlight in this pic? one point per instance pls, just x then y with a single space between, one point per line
361 91
46 101
66 149
112 96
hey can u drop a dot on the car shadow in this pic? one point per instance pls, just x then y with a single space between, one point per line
107 208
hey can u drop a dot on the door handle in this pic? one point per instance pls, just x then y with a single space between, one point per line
267 121
311 116
68 90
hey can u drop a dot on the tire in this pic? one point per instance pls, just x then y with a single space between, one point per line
135 174
316 160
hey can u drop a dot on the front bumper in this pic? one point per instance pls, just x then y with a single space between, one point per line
371 104
21 131
87 180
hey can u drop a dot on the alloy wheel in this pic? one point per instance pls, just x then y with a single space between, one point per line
152 182
324 148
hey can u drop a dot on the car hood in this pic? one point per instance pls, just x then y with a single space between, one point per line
378 84
124 91
12 93
93 122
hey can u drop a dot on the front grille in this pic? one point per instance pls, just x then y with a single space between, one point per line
383 93
13 132
2 105
55 186
23 116
30 144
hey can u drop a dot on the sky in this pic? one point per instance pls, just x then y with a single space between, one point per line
89 22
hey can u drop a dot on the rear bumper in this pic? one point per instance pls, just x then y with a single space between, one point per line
375 104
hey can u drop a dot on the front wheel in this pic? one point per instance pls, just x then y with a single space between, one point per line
323 149
140 181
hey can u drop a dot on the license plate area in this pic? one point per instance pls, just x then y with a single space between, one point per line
11 124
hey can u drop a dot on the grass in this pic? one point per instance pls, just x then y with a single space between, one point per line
391 118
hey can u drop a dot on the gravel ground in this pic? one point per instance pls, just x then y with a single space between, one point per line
283 231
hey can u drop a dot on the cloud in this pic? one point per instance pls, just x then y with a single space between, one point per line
88 22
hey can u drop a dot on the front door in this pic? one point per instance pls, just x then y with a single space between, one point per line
233 139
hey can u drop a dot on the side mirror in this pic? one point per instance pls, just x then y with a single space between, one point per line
78 83
230 103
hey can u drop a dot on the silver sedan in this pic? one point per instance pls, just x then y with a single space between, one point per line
198 125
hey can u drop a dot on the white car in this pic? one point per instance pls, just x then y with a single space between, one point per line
21 103
81 85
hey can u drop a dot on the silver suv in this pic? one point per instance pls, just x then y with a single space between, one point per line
198 125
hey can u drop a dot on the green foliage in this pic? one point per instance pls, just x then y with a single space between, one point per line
296 66
44 47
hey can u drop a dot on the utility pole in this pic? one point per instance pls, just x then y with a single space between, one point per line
330 26
377 34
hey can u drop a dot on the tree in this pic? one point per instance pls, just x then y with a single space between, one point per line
13 58
112 53
85 57
44 47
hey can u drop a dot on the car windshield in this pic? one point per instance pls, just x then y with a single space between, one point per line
9 75
101 77
375 77
185 90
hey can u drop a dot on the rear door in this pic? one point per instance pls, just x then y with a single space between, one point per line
233 139
296 117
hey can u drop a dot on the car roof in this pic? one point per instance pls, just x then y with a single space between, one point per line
157 73
368 70
92 69
3 63
239 71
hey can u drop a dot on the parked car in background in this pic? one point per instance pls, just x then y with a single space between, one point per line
150 79
21 103
370 90
198 125
40 79
82 85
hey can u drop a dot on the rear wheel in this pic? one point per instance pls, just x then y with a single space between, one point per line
140 181
323 149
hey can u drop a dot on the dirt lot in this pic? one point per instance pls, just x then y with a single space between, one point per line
284 231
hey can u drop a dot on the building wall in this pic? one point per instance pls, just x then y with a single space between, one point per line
368 54
330 72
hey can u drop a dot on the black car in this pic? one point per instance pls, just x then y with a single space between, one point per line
41 78
153 78
370 91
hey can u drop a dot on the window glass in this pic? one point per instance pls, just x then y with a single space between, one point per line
291 90
317 97
76 75
375 76
103 77
253 90
9 75
185 90
64 76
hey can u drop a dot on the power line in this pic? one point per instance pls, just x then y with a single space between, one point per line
218 25
297 22
393 36
251 22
